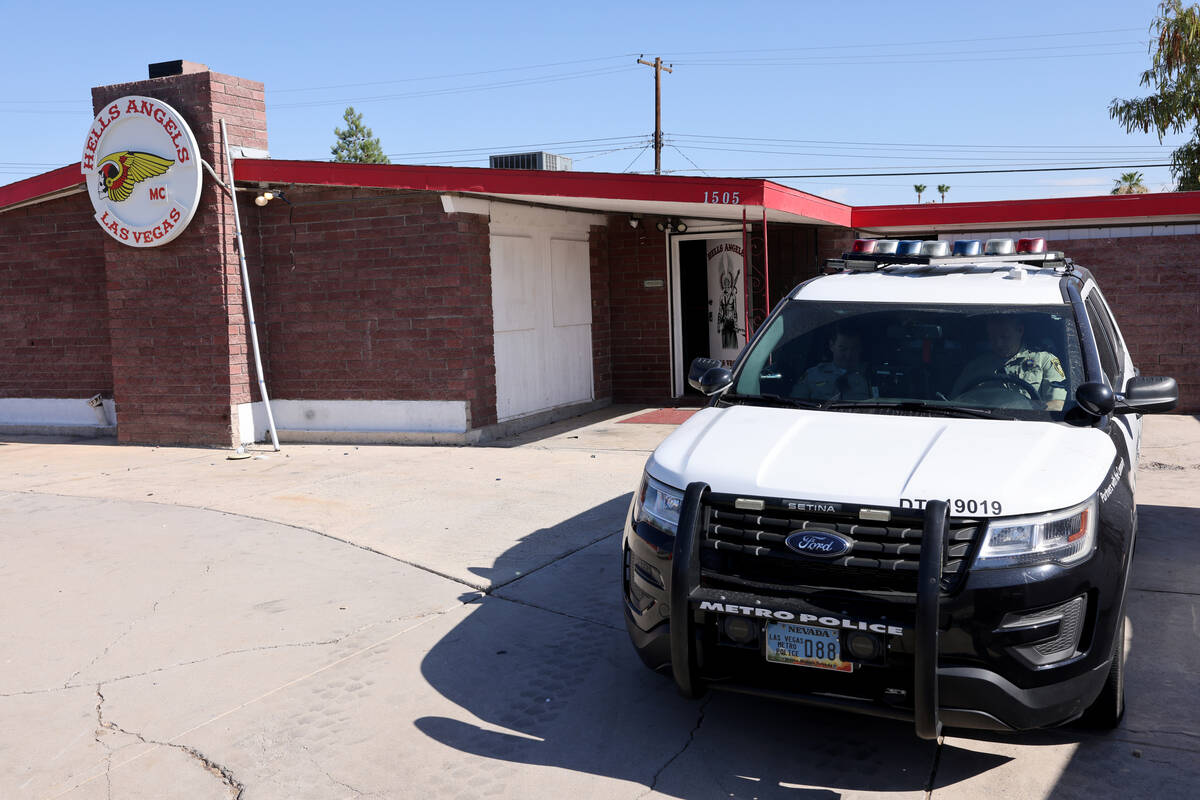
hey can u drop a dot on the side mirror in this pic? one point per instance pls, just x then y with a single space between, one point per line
708 376
1145 394
1095 398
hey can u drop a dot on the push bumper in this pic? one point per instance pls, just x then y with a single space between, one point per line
937 694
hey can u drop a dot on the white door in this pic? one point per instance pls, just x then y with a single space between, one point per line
542 308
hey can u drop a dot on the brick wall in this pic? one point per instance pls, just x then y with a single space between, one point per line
1153 286
179 345
602 383
376 295
832 242
53 308
641 325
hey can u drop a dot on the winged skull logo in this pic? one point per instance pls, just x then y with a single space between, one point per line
121 171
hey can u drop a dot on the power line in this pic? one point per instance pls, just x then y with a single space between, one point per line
907 145
500 148
458 89
898 60
860 46
442 77
937 171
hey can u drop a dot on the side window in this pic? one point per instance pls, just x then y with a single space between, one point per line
1107 315
1104 342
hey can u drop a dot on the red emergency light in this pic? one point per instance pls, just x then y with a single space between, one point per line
864 246
1031 245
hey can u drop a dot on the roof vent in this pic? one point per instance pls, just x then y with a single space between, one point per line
541 160
165 69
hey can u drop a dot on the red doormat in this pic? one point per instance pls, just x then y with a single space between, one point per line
664 416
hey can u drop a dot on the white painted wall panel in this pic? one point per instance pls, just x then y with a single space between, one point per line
541 291
572 282
515 282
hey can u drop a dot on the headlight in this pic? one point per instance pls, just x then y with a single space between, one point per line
658 505
1066 537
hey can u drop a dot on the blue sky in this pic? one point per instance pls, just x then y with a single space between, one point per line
769 88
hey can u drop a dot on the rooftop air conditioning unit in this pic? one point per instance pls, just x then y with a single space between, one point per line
545 161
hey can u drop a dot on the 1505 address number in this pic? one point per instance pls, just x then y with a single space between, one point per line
717 196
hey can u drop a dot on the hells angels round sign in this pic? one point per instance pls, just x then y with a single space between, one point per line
141 167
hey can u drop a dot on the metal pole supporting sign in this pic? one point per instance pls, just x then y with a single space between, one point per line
237 226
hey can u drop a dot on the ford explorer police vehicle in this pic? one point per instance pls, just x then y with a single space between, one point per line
911 497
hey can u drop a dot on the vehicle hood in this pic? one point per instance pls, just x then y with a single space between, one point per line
886 460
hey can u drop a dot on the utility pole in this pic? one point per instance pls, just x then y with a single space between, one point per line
658 137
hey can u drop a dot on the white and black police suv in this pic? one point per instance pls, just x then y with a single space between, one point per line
911 497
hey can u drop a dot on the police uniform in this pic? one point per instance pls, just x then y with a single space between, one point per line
824 380
1040 369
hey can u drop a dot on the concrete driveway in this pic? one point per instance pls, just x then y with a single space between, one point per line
344 622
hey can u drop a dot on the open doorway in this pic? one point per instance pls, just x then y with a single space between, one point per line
710 302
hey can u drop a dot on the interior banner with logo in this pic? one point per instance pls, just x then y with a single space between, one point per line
726 302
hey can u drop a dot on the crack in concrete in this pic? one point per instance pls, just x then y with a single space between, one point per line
219 770
113 643
107 749
933 768
103 653
291 525
1164 731
1164 591
575 617
550 563
358 792
289 645
691 738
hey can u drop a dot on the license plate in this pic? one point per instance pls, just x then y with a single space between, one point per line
805 646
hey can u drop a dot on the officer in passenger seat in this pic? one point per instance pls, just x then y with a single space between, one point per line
1008 355
842 378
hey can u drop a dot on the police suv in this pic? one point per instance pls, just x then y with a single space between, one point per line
911 497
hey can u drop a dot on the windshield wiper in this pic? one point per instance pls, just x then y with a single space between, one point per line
914 405
769 400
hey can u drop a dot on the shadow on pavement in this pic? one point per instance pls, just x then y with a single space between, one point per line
546 675
1155 751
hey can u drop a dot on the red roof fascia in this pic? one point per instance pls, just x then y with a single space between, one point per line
794 201
999 212
39 185
495 181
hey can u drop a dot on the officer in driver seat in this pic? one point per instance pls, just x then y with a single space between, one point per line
1008 356
842 378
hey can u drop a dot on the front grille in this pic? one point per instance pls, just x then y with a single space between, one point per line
746 550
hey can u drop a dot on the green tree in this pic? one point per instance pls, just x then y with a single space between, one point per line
918 188
942 189
1174 78
1129 183
355 143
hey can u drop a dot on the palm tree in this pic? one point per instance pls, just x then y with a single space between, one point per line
918 188
1129 183
942 189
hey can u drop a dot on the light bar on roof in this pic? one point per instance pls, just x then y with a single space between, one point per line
999 247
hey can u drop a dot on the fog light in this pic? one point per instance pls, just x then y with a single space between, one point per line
740 629
863 646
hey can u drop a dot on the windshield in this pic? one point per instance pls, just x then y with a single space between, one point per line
1014 362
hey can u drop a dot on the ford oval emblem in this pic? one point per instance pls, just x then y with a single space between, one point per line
819 544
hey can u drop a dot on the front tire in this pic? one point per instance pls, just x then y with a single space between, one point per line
1108 709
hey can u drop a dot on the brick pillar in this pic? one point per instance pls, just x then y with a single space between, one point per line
180 348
